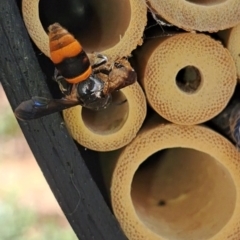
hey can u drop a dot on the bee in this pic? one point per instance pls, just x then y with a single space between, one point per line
85 83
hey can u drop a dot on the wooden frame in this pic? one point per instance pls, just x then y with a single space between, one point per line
55 151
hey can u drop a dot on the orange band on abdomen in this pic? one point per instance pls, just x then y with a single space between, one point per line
68 51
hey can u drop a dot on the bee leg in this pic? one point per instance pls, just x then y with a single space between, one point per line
105 71
64 86
57 77
102 59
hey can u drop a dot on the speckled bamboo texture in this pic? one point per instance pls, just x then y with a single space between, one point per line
202 16
113 139
230 38
160 60
127 42
200 191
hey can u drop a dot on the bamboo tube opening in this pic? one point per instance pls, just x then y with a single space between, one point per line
176 182
170 68
182 193
112 128
112 27
206 2
188 79
96 26
109 120
198 15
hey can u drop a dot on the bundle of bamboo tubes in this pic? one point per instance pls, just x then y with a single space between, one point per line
174 174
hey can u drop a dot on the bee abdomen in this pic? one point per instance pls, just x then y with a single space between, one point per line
67 54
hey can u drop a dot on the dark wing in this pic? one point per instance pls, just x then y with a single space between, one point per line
38 107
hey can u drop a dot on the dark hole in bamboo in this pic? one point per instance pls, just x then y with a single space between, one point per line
98 26
188 79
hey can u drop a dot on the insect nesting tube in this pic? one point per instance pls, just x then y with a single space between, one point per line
176 182
99 32
99 129
200 15
100 27
113 127
230 38
109 120
188 78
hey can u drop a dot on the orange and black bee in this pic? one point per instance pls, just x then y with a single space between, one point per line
80 82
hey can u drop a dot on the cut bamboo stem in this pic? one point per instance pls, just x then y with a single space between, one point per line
230 38
199 15
111 128
188 78
176 182
113 35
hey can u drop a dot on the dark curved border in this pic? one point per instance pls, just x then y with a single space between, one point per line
53 148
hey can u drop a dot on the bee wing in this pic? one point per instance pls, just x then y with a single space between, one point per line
38 107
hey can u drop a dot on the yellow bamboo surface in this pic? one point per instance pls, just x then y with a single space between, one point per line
173 180
112 128
176 182
199 15
188 78
230 38
135 11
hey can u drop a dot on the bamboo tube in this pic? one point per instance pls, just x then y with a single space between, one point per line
112 34
188 78
176 182
199 15
111 128
230 38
